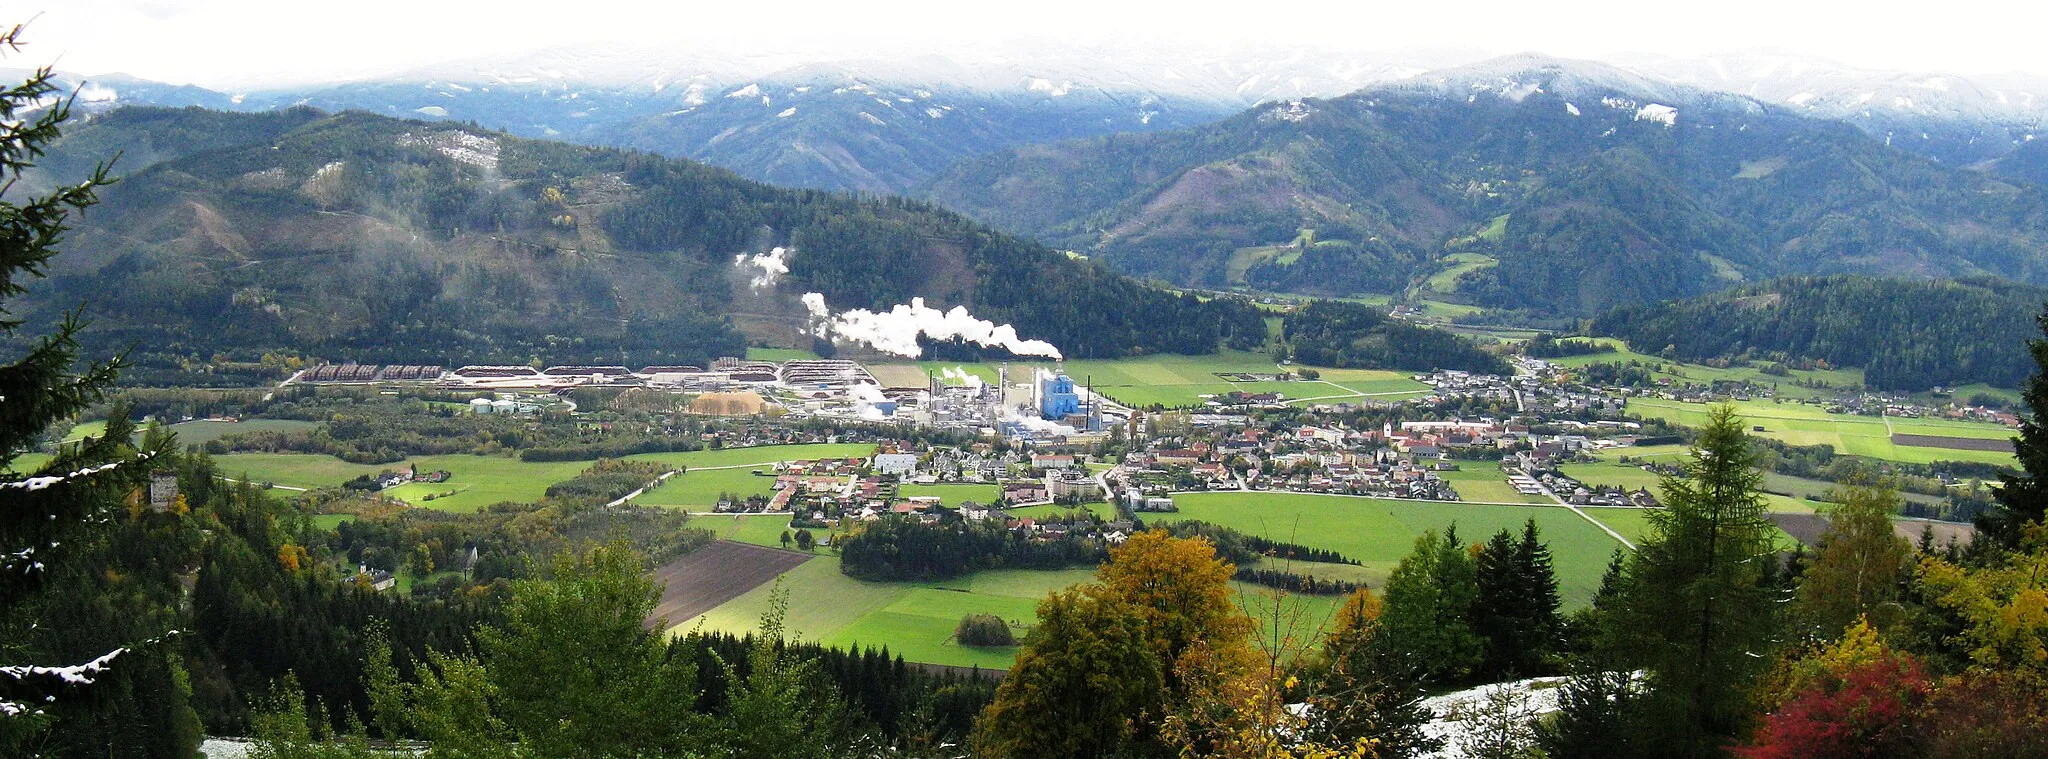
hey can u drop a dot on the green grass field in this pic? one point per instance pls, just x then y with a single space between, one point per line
1607 471
758 455
778 354
1805 424
1483 481
1700 374
79 432
29 462
301 470
758 529
700 489
476 481
331 521
1633 524
1457 265
915 620
480 481
203 431
711 473
1378 533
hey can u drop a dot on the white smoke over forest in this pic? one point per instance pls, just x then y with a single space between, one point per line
896 330
773 264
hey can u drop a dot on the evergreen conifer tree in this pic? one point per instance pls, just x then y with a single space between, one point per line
1696 614
2024 497
1517 607
47 514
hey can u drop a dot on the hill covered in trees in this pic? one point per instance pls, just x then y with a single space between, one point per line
354 236
1906 334
1352 335
1578 186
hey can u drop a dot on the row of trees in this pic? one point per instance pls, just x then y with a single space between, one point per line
906 548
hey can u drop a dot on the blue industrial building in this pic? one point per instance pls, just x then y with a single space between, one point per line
1056 397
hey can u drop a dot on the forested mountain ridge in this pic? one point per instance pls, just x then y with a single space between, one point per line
354 236
1906 334
1616 189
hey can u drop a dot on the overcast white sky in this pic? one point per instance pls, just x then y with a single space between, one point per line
248 43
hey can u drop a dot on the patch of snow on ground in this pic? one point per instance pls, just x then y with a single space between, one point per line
1530 699
1571 109
786 113
432 110
1619 104
935 113
1292 111
1517 92
1658 112
1047 87
749 91
462 147
1803 98
871 119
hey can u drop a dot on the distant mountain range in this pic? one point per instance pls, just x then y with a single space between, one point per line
1523 182
356 236
885 125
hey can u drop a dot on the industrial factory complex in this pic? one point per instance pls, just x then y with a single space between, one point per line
1024 403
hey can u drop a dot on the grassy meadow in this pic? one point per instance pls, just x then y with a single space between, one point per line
1484 481
1377 532
478 481
1804 424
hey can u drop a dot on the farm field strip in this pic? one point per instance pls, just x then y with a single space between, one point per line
702 579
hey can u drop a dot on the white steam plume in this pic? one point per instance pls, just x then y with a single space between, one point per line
865 398
896 330
1036 424
773 264
959 374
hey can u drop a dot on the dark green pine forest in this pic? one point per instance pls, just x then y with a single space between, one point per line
1906 334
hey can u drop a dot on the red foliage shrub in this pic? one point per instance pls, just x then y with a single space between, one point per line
1870 711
